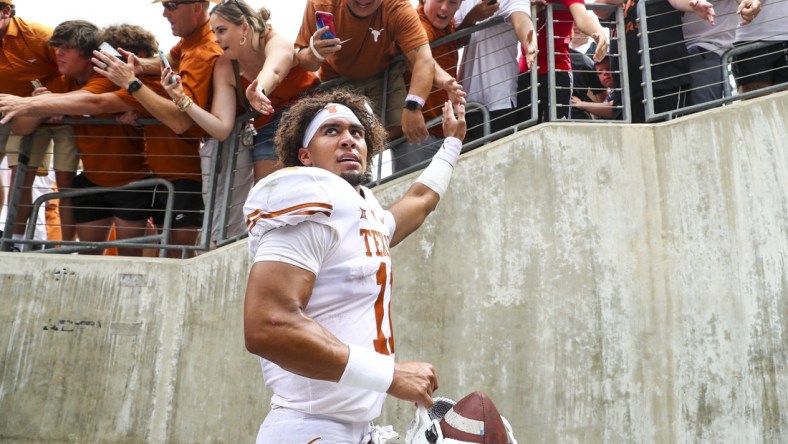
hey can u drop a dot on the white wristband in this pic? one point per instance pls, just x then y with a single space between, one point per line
314 51
367 369
438 173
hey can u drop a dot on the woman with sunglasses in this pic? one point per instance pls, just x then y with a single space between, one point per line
261 59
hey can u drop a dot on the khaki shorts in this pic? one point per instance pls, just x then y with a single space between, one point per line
395 99
58 140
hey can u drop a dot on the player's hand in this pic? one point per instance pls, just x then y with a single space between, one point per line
454 126
413 126
259 101
414 381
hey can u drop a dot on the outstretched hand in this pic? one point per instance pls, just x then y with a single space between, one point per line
454 126
257 100
530 49
748 10
704 10
454 90
602 43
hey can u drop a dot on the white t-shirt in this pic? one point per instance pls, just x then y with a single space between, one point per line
315 220
488 71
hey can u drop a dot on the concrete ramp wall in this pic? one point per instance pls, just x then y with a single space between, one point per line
603 283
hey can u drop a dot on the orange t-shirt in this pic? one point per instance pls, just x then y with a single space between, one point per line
112 155
24 56
447 57
373 40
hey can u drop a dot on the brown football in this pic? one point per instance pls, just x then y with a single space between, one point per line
474 419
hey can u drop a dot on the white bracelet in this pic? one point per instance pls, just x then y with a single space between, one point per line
438 173
314 51
367 369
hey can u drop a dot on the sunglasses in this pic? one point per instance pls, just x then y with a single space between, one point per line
171 6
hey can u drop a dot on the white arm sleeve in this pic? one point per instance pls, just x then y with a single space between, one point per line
303 245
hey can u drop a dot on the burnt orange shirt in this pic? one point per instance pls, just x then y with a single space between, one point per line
195 57
447 57
172 156
374 40
24 56
112 155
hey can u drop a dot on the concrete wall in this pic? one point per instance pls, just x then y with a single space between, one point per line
603 283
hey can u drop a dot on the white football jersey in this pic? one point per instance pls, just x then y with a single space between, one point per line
352 292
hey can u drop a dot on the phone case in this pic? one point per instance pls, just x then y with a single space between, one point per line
326 19
163 58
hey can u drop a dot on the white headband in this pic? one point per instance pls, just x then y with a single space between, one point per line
329 111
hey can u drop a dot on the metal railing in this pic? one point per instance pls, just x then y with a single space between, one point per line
222 202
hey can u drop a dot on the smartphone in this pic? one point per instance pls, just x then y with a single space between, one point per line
326 19
36 83
108 48
166 63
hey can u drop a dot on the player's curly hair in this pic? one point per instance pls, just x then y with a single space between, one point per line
292 126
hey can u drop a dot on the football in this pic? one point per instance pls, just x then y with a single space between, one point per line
474 419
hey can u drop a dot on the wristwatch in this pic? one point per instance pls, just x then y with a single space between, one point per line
134 86
412 105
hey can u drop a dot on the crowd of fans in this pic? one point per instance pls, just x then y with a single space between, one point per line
232 75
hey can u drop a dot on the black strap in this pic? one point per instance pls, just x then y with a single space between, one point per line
242 101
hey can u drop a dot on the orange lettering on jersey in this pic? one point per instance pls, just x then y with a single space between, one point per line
365 234
379 241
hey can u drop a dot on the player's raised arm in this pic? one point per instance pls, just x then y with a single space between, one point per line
422 197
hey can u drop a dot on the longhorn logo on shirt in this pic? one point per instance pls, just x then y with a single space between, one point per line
376 33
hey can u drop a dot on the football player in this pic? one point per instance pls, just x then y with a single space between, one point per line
318 294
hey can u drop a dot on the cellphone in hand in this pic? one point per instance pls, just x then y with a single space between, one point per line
166 63
326 19
36 83
108 48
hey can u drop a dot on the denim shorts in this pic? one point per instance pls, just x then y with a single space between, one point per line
264 148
